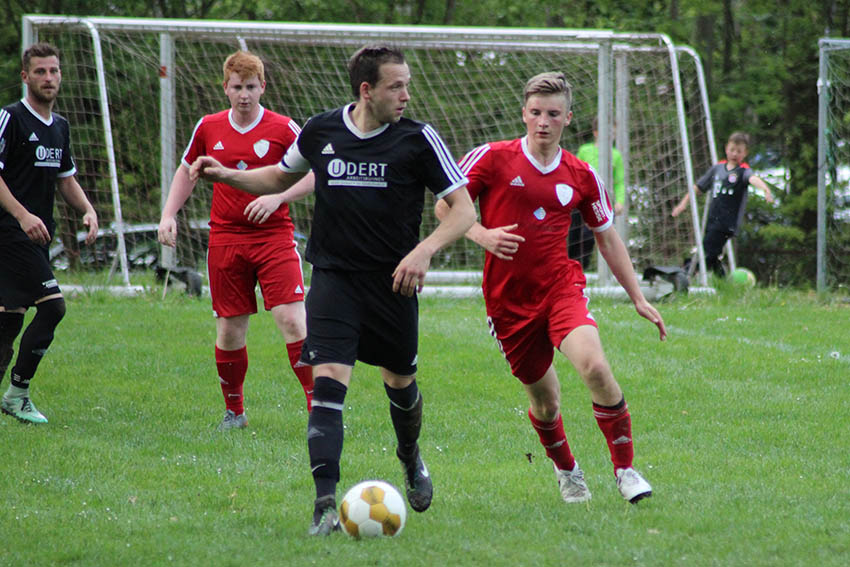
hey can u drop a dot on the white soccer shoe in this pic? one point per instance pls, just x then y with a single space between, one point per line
632 485
572 485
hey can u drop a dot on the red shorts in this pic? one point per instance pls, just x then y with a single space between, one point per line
528 340
235 270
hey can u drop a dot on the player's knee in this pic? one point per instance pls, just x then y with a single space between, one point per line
596 373
50 312
293 327
546 410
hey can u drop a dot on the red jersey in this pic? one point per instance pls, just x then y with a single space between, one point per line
514 188
261 143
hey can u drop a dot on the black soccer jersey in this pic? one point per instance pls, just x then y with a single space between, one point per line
729 189
33 154
369 187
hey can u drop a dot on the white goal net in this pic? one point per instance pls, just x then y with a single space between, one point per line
157 77
833 239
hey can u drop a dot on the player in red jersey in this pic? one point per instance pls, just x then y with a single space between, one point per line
251 239
527 190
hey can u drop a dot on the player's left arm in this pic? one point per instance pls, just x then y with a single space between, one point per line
611 247
409 275
76 197
759 183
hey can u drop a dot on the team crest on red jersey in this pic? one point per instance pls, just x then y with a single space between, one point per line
261 148
564 192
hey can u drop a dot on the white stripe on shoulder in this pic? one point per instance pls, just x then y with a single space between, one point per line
189 145
4 120
296 129
443 154
470 159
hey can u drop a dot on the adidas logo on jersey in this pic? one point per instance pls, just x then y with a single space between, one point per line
33 137
329 149
517 182
218 146
298 290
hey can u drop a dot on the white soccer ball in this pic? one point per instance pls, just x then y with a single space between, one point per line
372 508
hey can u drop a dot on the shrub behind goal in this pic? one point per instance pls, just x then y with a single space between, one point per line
157 77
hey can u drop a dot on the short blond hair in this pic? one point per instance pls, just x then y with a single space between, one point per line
549 83
244 64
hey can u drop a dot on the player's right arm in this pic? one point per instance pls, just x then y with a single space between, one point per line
259 181
31 224
678 209
181 189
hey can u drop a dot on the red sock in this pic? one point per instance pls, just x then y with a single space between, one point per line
554 440
304 372
232 367
616 424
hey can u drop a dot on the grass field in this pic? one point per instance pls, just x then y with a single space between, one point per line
740 423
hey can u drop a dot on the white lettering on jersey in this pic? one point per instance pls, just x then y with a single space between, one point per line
48 157
564 192
517 182
218 146
540 214
328 150
365 174
598 211
33 137
261 148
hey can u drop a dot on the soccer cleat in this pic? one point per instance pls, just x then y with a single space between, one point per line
325 517
22 409
572 485
632 485
417 482
233 421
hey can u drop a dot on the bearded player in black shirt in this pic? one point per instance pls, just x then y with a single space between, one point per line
35 160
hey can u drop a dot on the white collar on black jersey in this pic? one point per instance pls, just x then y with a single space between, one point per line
349 123
36 114
543 168
249 127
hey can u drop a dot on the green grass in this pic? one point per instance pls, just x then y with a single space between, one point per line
740 423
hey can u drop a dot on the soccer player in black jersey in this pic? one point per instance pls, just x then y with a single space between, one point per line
35 160
729 182
371 167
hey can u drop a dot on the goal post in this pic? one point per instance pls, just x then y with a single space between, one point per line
833 211
162 75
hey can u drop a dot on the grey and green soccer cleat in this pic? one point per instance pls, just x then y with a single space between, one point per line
325 517
22 409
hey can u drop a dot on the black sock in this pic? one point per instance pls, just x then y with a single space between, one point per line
406 414
325 434
10 325
36 339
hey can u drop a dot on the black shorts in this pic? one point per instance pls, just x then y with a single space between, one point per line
25 274
356 316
